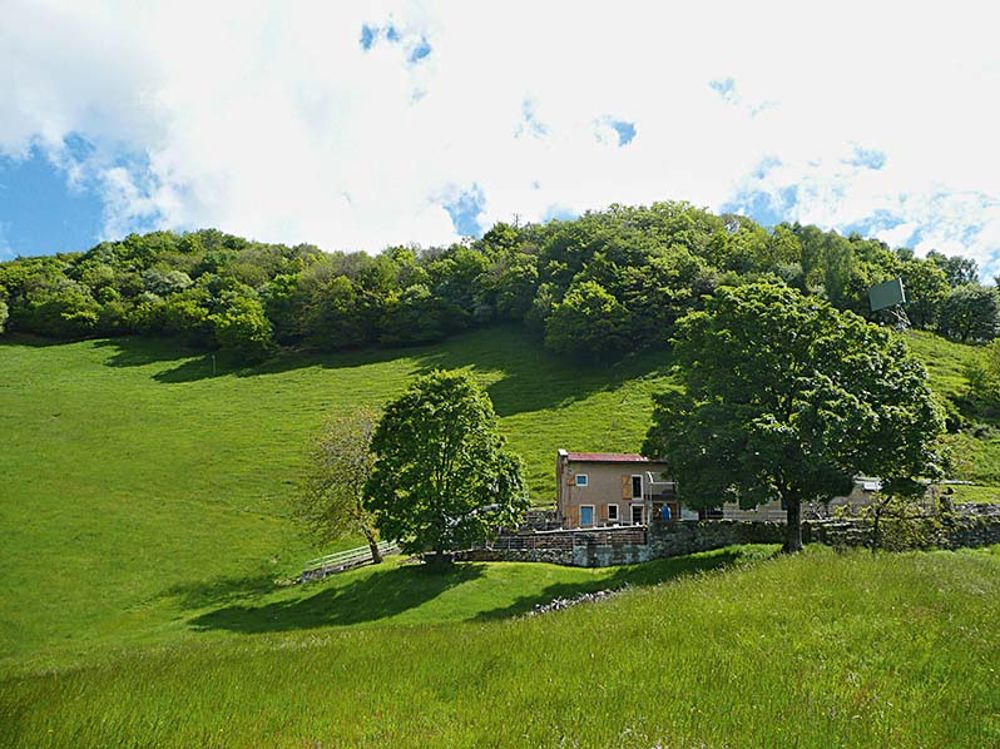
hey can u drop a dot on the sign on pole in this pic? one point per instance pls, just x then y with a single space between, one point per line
887 294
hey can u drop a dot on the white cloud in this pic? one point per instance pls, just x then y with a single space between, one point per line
6 251
271 120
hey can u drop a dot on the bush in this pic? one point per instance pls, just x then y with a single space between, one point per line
588 320
242 330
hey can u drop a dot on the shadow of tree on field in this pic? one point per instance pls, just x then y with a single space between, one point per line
365 599
30 340
220 590
650 573
135 351
528 377
532 377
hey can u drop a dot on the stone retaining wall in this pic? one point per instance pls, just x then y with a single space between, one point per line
968 526
973 525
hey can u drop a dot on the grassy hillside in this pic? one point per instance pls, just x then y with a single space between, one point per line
816 651
145 508
130 472
132 475
977 447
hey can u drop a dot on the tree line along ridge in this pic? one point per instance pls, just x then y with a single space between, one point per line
601 285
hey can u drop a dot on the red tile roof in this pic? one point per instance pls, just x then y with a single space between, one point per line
607 457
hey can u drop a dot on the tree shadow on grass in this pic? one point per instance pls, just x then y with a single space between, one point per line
366 598
528 377
533 378
136 351
220 590
32 341
198 364
650 573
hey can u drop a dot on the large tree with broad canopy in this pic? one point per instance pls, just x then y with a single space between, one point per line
443 477
785 398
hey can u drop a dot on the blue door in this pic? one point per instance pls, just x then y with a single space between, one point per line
586 516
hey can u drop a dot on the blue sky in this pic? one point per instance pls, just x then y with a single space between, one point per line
40 213
358 125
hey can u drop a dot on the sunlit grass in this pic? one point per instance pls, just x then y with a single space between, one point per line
816 651
129 470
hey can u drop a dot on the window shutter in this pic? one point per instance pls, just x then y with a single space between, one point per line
626 487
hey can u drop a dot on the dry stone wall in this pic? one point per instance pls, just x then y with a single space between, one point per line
967 526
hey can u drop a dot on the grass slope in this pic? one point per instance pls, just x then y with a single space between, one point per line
976 451
145 509
815 651
131 474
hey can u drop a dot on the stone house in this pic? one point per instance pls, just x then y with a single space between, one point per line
596 490
606 489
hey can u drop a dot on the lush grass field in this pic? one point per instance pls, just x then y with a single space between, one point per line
145 510
821 650
131 473
976 452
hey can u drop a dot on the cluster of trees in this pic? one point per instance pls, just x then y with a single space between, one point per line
432 471
603 284
765 415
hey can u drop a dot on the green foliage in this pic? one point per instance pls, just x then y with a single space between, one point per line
970 314
516 286
163 283
983 375
926 287
4 314
899 523
413 316
64 311
960 271
242 329
588 320
655 262
787 398
443 478
332 500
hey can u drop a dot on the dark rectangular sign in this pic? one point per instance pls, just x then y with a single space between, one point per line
887 294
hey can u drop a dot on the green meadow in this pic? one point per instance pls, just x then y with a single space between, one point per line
145 506
729 649
131 474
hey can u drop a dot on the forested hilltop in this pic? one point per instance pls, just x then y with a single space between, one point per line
604 284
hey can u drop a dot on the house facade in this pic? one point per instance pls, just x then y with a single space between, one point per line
861 493
596 490
605 489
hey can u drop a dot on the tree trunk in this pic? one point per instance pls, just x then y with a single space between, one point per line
793 529
440 560
373 545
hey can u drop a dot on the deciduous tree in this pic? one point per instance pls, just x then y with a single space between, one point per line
443 478
788 399
332 502
589 320
971 313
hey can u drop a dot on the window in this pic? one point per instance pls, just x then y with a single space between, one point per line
582 479
586 515
637 515
612 512
637 487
